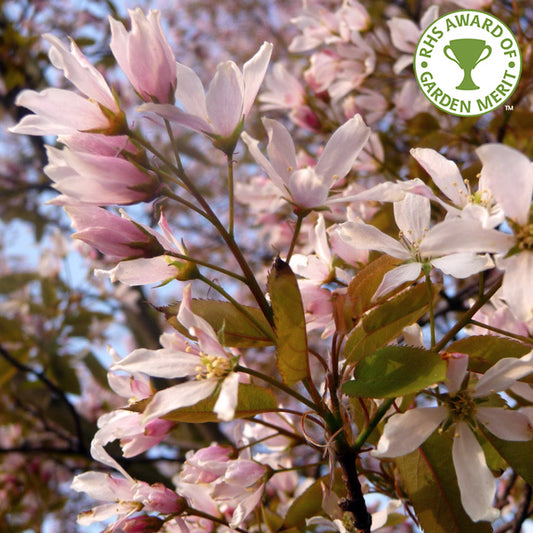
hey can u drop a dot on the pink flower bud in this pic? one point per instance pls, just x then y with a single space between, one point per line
145 56
141 524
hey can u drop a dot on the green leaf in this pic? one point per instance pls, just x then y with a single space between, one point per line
428 479
289 322
382 325
363 287
485 350
252 401
395 371
309 502
517 454
14 281
238 330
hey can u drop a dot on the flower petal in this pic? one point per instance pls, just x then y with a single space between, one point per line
404 433
181 395
395 277
190 91
412 215
253 73
163 363
224 99
140 271
503 374
366 237
509 175
476 483
517 287
227 398
342 149
506 424
463 264
444 174
459 235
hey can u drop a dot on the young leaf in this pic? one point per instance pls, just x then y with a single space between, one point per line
289 321
485 350
238 329
385 323
363 287
428 479
252 400
517 454
395 371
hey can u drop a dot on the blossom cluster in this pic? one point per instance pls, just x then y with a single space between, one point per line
332 350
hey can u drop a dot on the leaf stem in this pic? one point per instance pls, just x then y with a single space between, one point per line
465 319
279 385
429 286
231 196
298 226
238 306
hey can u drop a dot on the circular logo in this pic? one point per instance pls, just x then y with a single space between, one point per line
467 63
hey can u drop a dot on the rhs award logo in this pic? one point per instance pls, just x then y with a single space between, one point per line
467 63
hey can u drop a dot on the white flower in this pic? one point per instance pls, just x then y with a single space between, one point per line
452 246
208 368
405 432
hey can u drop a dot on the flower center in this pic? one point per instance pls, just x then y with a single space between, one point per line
524 237
212 366
462 406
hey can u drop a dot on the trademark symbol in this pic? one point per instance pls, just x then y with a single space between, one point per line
509 107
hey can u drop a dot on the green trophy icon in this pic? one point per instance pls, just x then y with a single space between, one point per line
468 53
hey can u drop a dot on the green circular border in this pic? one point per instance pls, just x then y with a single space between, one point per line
470 11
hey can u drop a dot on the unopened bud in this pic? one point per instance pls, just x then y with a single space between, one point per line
141 524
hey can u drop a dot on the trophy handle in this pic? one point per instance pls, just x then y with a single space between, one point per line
448 47
481 58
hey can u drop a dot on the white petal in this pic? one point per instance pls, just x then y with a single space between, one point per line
181 395
307 188
458 235
503 374
404 433
463 264
224 98
190 91
476 483
342 149
366 237
456 372
280 149
253 73
172 113
253 147
395 277
517 288
227 398
505 424
412 215
140 271
162 363
509 175
444 174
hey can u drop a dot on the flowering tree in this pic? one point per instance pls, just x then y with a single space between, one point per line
316 288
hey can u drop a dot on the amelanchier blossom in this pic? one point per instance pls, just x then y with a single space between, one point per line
64 112
453 246
307 188
508 174
208 368
220 112
403 433
144 54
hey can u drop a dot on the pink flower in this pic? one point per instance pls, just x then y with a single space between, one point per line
145 55
308 187
63 112
99 179
119 237
208 367
219 113
508 174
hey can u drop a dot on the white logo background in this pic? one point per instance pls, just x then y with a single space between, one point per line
496 76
